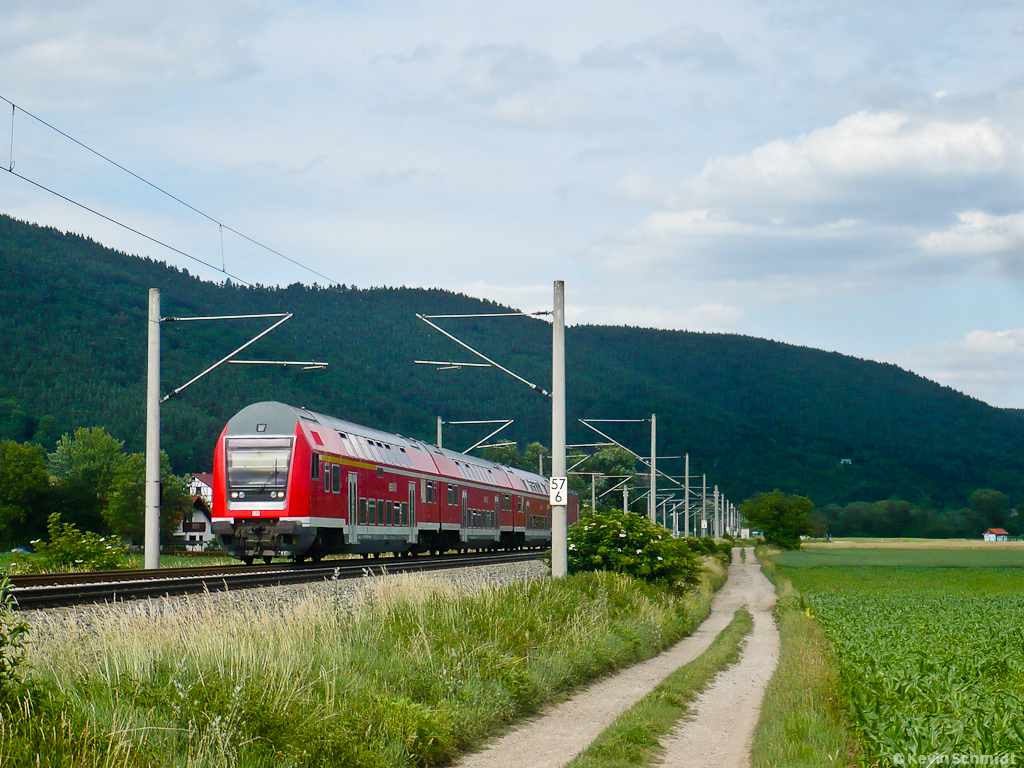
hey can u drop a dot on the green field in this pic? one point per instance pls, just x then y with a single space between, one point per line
912 558
929 646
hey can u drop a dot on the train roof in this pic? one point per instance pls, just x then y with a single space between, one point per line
274 418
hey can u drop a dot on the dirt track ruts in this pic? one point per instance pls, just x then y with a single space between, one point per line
559 734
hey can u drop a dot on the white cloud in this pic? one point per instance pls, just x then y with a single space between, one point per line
986 364
861 147
978 233
686 44
89 48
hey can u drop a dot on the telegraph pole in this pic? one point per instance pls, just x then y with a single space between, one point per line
559 532
686 500
653 506
704 506
151 539
718 523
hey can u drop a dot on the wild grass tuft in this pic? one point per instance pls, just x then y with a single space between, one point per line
406 670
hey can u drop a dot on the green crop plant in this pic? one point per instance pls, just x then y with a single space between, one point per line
930 660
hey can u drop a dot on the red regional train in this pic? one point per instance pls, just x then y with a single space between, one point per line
288 482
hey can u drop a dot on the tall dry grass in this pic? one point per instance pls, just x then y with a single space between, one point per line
404 670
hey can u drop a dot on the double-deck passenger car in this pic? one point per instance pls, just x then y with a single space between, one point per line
291 482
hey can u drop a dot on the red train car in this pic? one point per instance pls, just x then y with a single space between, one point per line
290 482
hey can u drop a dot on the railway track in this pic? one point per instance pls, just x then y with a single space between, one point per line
65 589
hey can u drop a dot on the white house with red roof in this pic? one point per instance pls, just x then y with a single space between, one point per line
995 534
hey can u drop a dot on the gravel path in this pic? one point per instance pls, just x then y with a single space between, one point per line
565 730
721 733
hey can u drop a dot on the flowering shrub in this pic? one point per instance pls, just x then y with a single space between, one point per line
81 550
631 544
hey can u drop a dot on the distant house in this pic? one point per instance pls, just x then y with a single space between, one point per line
196 528
995 534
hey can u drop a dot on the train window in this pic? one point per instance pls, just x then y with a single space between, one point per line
391 509
327 477
380 471
315 471
373 511
405 457
431 498
405 513
423 491
336 478
362 511
391 454
316 437
519 504
380 511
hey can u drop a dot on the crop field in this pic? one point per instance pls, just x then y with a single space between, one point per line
929 646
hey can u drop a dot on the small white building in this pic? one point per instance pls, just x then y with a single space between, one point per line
995 534
196 528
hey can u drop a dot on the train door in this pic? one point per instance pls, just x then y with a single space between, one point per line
465 515
353 504
497 511
411 512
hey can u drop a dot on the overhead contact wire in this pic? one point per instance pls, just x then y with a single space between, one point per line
161 190
161 243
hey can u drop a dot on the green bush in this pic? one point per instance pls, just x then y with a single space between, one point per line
82 550
13 632
631 544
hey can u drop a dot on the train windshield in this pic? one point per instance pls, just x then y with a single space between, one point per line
258 462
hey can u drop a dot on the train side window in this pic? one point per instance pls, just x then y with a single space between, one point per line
315 471
336 478
373 511
430 492
405 457
405 513
327 478
423 491
380 512
391 510
362 511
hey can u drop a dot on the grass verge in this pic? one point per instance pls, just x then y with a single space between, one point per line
634 738
403 671
803 721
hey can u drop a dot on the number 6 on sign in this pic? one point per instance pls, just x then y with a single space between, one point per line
559 491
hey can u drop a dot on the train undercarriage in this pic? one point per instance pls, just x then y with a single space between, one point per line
266 539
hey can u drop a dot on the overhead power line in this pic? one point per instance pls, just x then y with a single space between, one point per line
161 190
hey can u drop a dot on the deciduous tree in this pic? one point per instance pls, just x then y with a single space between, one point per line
23 484
780 517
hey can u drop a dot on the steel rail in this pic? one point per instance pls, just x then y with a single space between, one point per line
68 589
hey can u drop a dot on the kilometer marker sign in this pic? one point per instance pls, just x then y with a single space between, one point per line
559 491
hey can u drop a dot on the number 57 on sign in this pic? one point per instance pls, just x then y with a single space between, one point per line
559 491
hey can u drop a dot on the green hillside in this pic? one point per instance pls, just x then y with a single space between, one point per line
753 414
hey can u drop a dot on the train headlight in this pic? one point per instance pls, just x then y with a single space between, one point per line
234 494
241 494
273 494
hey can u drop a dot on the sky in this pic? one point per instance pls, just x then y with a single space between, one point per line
847 176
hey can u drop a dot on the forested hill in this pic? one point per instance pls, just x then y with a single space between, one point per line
753 414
